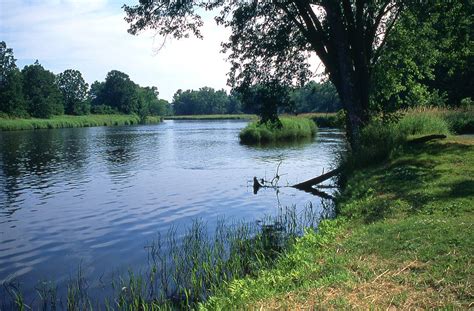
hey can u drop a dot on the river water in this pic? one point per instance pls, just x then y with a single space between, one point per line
94 197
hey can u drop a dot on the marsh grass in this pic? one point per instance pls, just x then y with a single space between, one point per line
291 129
67 121
183 269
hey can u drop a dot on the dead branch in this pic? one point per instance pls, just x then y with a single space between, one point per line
308 185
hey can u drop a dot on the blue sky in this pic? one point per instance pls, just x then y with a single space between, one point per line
91 36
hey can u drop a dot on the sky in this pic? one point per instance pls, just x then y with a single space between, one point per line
91 36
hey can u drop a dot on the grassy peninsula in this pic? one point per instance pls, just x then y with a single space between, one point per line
292 128
63 121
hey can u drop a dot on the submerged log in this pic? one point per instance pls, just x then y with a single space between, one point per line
308 185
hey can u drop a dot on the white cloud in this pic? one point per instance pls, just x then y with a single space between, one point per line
91 36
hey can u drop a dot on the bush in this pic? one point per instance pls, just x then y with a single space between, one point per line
292 128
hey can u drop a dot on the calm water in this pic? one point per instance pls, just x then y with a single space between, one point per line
95 196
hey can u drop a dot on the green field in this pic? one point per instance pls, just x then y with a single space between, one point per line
13 124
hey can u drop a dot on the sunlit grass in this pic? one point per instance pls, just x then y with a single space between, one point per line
402 239
64 121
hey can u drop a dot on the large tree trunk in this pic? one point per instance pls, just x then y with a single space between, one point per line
351 77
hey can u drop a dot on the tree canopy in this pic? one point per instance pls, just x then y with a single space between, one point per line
11 90
273 40
41 93
206 100
74 91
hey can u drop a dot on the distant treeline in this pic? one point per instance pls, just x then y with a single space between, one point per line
313 97
37 92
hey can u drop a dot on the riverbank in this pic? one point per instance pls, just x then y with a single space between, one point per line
67 121
403 239
213 117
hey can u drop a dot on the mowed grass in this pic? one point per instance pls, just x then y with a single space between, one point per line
292 129
403 239
213 117
13 124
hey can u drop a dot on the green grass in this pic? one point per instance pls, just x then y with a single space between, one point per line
7 124
336 120
293 128
213 117
403 239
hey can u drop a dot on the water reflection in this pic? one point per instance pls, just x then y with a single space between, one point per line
97 195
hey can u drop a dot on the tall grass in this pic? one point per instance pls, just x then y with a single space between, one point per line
292 128
379 140
184 269
7 124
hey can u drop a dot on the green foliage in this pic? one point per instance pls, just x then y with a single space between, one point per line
13 124
74 92
150 104
118 92
315 97
12 101
337 120
266 99
380 139
204 101
428 57
292 128
41 93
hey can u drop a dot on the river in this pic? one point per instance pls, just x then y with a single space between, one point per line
94 197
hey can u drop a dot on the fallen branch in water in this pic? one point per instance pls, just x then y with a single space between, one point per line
308 185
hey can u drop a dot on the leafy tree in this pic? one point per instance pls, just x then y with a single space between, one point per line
315 97
427 58
266 99
272 40
74 92
11 93
42 94
118 92
150 104
206 100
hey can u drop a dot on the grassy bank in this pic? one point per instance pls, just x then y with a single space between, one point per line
403 239
293 128
214 117
7 124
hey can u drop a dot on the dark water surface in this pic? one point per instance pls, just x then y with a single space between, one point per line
95 196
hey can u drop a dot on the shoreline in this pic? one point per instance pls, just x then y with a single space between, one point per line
69 121
401 237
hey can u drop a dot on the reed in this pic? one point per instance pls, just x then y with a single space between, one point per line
67 121
184 268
